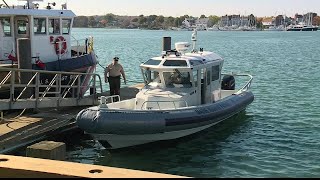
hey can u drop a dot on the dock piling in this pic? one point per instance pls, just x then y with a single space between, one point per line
24 62
47 150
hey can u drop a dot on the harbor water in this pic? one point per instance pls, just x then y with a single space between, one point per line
277 136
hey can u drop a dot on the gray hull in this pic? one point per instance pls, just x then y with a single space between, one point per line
123 128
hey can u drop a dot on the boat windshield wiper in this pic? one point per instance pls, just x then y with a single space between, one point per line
6 4
177 71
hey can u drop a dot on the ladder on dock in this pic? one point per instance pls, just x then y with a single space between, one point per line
47 89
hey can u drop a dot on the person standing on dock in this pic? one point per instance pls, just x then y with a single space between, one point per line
112 75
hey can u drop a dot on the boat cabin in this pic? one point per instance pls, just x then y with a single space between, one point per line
49 31
178 79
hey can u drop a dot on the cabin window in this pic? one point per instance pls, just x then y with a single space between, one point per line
54 26
6 26
179 63
177 79
22 27
153 62
151 76
40 26
195 78
66 24
215 73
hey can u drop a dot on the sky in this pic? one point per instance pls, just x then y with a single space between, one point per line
196 8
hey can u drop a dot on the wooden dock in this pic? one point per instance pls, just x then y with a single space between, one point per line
31 128
24 167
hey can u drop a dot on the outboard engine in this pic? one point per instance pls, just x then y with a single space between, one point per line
228 83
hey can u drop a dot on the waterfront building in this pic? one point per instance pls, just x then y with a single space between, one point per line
186 23
308 18
279 20
238 20
202 24
298 18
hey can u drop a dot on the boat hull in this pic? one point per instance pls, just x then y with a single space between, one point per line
310 29
304 29
74 64
80 64
113 141
125 128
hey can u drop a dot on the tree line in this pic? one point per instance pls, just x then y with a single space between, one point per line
147 22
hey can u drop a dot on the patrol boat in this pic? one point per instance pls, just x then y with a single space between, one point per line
184 93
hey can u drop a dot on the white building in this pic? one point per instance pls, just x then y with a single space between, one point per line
202 23
186 23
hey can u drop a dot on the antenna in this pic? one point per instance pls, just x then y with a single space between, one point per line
64 6
30 4
194 39
49 7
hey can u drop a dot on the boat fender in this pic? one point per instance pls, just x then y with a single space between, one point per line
40 64
60 40
12 58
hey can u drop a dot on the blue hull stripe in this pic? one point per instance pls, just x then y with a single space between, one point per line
216 112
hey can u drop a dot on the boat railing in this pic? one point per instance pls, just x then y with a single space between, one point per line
247 86
170 95
158 103
40 87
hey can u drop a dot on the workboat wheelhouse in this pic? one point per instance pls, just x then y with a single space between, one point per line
49 30
181 79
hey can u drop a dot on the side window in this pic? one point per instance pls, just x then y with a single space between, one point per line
215 73
40 26
22 27
208 78
6 26
66 23
54 26
195 78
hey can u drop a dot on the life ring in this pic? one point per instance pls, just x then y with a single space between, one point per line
60 40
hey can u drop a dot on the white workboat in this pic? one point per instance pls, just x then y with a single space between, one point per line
52 45
184 93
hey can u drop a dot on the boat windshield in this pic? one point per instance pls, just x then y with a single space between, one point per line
177 79
151 77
